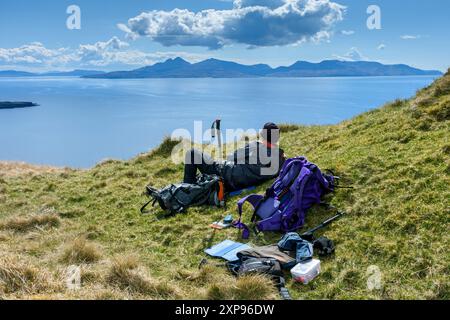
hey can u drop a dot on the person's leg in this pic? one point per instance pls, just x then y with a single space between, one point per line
194 160
190 165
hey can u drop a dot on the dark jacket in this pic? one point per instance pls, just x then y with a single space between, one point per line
251 166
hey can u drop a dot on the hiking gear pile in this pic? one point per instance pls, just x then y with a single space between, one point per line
293 253
177 198
283 208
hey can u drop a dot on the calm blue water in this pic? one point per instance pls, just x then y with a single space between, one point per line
80 122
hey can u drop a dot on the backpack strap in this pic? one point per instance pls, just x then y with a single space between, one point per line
143 211
281 285
152 193
254 200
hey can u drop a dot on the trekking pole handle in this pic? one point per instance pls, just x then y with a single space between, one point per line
216 126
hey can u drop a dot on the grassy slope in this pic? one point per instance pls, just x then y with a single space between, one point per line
397 157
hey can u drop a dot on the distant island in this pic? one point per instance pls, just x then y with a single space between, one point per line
16 104
213 68
74 73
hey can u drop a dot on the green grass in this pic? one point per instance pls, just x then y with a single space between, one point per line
397 158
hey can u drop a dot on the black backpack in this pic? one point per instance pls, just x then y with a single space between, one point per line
267 266
173 199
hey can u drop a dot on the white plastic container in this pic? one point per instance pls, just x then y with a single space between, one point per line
306 272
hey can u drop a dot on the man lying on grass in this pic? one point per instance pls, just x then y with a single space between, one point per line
252 165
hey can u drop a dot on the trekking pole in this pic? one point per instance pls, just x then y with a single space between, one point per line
215 132
310 233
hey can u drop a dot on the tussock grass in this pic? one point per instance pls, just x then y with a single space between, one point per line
17 276
25 224
165 148
127 274
81 251
396 157
254 287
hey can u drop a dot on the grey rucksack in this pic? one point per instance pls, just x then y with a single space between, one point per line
176 198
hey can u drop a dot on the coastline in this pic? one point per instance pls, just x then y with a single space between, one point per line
17 104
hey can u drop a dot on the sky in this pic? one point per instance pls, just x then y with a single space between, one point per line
128 34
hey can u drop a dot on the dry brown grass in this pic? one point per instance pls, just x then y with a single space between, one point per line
126 274
253 287
15 169
207 274
36 221
4 236
17 277
81 251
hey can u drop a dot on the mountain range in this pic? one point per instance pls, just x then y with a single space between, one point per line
213 68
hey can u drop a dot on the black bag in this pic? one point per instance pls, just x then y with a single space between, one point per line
266 266
208 190
324 246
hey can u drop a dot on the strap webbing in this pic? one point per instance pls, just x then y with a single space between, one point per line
254 200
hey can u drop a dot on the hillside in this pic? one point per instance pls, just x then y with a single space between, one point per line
396 157
213 68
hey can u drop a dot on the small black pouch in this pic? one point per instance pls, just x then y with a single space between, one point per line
324 246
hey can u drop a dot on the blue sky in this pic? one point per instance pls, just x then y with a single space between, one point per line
34 36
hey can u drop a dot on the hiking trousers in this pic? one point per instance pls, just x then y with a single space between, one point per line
196 160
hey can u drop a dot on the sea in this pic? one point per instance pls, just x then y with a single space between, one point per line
80 122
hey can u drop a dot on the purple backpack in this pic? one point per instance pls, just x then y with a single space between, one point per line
299 186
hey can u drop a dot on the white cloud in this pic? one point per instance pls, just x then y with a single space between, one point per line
251 22
352 55
272 4
34 52
348 32
382 46
410 37
114 52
